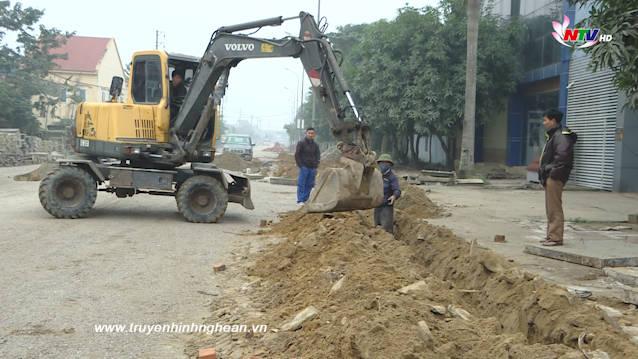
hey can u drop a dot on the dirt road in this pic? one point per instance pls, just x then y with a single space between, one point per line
133 260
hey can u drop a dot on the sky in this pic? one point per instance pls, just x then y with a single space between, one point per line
265 91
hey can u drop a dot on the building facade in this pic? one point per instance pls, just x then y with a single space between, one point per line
558 77
84 75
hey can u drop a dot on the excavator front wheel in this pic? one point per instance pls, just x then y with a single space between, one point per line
202 199
68 192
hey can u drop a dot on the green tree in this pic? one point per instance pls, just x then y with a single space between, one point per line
408 74
618 18
25 64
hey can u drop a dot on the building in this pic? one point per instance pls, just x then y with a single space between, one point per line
606 154
85 75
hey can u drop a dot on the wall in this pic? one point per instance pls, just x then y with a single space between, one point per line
437 156
110 66
495 139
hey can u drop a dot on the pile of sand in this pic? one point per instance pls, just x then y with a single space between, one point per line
475 303
233 162
414 202
285 166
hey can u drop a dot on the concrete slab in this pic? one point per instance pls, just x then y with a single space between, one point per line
625 275
597 253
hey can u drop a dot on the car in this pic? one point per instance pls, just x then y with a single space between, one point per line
238 144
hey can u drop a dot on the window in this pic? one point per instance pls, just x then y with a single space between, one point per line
147 79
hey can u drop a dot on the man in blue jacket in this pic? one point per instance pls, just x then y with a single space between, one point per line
384 214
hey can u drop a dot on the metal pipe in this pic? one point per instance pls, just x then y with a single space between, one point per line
273 21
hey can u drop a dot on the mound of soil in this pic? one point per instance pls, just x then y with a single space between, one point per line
463 301
414 202
233 162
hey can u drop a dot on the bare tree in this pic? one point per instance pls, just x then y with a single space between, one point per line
466 161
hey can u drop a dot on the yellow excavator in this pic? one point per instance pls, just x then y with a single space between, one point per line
148 145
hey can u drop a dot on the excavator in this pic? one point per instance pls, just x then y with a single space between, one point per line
146 145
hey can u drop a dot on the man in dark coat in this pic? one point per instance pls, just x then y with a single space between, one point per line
556 163
307 156
178 92
384 214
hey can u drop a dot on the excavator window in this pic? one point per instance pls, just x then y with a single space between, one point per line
147 79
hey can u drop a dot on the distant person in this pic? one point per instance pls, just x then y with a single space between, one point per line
556 163
178 92
307 156
384 214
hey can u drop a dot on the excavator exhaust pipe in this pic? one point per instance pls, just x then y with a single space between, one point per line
345 189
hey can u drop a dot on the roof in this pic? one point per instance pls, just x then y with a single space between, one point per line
84 53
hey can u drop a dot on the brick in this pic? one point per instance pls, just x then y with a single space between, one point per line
220 267
499 238
207 353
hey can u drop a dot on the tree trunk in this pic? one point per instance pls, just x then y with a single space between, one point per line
466 160
430 148
415 151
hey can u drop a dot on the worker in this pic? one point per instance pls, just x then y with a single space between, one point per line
555 166
307 156
384 214
178 91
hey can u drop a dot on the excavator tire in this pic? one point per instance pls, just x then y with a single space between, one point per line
202 199
68 192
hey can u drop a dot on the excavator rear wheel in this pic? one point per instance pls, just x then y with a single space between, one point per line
202 199
68 192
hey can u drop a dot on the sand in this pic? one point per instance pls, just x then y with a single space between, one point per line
474 303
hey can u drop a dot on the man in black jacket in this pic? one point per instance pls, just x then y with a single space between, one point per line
307 156
556 163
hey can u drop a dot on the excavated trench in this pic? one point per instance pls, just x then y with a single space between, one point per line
461 300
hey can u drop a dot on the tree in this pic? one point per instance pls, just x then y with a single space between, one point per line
25 65
466 162
618 18
408 74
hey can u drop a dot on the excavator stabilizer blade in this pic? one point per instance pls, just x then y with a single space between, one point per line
346 189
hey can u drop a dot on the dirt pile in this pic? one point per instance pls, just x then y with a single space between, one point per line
286 166
425 294
415 203
233 162
38 173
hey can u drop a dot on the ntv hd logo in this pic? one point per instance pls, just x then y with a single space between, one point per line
577 37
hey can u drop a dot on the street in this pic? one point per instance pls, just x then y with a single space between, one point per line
133 260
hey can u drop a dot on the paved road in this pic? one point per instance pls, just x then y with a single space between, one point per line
133 260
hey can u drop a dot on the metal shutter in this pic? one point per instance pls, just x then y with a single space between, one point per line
591 112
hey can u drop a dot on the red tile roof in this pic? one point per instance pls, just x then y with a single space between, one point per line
84 53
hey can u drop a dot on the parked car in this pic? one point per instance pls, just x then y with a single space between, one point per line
239 144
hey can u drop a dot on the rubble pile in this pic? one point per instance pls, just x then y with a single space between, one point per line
17 148
335 286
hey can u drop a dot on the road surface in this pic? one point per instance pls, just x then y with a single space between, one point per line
134 260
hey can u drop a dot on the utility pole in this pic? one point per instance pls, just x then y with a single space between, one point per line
156 39
466 161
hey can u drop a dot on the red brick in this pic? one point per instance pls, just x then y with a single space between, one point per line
219 267
207 353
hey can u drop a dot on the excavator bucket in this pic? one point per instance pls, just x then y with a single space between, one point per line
345 189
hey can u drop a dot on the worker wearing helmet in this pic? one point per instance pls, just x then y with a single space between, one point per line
384 214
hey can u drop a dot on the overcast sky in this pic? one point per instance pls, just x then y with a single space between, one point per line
264 90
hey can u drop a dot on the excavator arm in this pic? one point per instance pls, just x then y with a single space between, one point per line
357 182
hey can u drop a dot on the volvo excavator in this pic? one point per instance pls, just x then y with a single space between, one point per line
139 146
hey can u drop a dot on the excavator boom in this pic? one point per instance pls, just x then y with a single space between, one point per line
358 185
